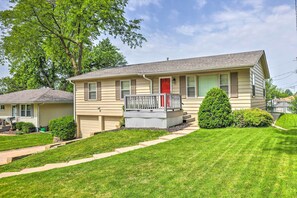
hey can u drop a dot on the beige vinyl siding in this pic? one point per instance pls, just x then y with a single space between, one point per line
108 109
6 112
48 112
191 105
258 101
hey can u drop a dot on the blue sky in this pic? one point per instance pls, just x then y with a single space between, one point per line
191 28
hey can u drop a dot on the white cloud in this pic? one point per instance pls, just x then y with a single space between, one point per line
256 4
134 4
227 31
200 3
187 30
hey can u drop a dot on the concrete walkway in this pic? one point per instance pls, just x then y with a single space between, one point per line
7 157
166 138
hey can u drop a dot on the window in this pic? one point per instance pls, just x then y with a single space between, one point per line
253 84
125 88
29 111
92 91
224 83
191 86
26 110
2 107
206 83
23 110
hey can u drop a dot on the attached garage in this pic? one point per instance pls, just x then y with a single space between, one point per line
111 123
88 125
92 124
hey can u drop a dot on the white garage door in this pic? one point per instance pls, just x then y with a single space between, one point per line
89 125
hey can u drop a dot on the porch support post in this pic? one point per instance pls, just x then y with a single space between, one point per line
165 102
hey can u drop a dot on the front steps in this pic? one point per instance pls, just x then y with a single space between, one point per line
187 118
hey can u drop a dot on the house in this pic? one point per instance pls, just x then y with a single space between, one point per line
282 105
100 95
38 106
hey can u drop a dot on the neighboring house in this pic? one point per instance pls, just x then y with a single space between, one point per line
100 95
38 106
282 105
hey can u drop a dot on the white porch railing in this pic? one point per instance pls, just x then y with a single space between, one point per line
151 102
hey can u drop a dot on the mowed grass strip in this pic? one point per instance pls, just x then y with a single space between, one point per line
100 143
252 162
23 141
287 121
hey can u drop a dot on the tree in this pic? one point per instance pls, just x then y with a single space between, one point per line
289 92
8 85
68 26
293 106
103 55
215 110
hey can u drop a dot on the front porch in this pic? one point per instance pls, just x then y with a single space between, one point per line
153 111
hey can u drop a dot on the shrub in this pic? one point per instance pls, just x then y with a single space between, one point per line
288 121
63 128
25 127
215 110
28 127
251 118
19 125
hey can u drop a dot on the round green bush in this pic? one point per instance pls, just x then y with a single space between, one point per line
251 118
19 125
215 110
28 127
63 128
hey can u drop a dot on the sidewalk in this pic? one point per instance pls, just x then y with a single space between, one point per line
117 151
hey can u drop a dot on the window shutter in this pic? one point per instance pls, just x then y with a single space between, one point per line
32 110
155 88
86 91
234 84
98 91
118 89
182 86
133 87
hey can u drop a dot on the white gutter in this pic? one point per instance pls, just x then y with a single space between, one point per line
151 83
74 100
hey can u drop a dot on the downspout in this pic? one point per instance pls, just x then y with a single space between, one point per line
151 83
74 100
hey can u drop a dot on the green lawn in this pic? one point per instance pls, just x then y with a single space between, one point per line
288 121
208 163
23 141
100 143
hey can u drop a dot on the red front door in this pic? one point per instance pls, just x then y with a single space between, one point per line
165 88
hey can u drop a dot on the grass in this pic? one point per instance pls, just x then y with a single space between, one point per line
103 142
252 162
23 141
287 121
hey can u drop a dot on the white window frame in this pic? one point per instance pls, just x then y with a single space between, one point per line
92 91
253 83
229 82
2 109
195 77
121 96
26 105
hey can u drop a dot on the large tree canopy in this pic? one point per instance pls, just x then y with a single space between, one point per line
63 31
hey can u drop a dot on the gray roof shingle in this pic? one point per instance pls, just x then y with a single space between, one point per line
43 95
226 61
